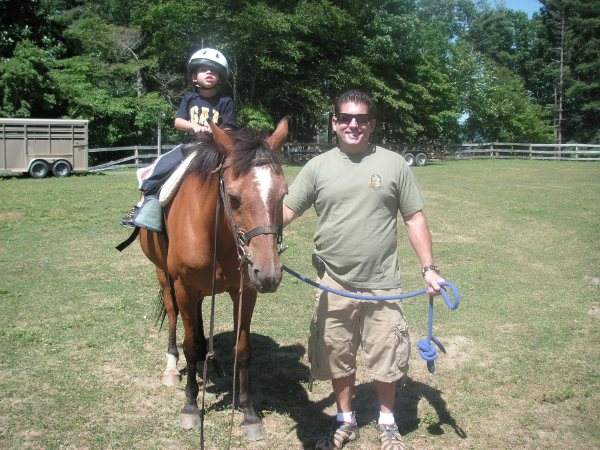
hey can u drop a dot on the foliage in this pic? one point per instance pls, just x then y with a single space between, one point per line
122 64
25 85
582 62
255 118
496 105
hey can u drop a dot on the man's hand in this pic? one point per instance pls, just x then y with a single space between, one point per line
433 280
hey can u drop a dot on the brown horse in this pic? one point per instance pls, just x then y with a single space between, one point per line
228 209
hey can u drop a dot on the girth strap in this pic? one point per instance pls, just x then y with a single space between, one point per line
127 242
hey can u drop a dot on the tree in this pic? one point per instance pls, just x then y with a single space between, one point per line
495 103
580 43
103 82
26 89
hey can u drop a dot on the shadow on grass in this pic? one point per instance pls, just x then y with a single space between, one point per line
279 383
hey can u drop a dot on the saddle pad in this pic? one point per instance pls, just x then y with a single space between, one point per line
168 190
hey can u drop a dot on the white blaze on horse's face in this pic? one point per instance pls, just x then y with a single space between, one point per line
264 181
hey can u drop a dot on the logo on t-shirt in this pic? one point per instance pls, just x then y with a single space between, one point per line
375 181
200 115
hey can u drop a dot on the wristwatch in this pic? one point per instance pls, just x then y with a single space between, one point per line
426 269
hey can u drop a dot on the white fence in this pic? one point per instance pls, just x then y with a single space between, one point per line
510 150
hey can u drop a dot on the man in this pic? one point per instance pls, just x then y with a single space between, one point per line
357 190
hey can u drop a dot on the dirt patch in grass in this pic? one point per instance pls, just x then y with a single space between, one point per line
11 216
592 281
460 350
594 311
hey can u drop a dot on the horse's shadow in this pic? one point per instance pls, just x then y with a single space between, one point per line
280 380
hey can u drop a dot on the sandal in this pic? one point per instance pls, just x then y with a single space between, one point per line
390 438
338 437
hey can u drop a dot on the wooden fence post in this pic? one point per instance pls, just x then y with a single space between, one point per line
136 154
530 153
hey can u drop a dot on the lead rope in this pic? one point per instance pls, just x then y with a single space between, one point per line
235 358
242 259
426 350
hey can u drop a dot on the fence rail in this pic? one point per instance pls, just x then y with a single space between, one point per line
511 150
142 156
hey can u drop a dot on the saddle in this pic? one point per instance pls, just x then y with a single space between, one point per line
150 214
168 190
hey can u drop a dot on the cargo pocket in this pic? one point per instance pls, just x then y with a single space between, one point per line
401 340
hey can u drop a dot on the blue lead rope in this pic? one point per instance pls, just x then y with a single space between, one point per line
427 351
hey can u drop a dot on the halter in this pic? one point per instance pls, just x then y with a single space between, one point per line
242 237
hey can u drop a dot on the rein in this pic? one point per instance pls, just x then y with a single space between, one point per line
426 349
242 241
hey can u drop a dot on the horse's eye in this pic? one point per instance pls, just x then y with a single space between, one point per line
234 202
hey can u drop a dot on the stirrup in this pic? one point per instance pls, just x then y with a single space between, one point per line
150 215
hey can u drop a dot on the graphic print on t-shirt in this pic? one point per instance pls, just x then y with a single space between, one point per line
200 115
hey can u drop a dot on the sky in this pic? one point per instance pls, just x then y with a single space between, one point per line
528 6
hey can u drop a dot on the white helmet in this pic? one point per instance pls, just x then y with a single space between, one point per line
211 58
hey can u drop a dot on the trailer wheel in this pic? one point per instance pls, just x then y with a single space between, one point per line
61 168
39 169
421 159
410 159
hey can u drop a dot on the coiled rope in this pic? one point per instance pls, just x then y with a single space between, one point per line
427 351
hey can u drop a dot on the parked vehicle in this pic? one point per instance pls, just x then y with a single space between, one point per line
422 155
40 147
300 152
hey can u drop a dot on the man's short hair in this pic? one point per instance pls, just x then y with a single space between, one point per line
355 96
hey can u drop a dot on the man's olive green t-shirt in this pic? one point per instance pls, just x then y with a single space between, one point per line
357 200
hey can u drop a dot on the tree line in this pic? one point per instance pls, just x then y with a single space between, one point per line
441 71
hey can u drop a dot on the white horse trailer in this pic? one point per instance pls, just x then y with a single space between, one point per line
41 147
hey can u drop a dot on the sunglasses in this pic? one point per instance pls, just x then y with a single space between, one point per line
346 119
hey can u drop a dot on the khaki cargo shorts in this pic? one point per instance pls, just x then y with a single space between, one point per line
340 324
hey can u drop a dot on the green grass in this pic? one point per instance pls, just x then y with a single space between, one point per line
81 355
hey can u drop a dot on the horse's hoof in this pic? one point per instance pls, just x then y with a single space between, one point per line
255 432
170 377
189 421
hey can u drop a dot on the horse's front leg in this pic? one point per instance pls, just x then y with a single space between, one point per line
187 301
251 422
170 376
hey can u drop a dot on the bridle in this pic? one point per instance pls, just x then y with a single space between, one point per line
242 237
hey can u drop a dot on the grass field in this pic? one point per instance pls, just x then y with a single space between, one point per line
81 354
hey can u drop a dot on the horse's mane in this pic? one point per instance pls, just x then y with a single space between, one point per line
249 151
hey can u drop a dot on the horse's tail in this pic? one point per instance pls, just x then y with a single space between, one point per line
161 311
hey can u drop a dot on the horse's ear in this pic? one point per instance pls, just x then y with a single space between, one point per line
276 140
223 140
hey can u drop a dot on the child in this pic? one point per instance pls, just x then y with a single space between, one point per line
208 68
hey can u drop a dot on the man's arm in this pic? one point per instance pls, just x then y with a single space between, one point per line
288 215
420 239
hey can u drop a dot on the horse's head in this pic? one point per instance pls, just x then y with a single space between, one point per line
253 188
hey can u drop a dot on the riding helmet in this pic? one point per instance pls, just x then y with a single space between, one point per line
211 58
